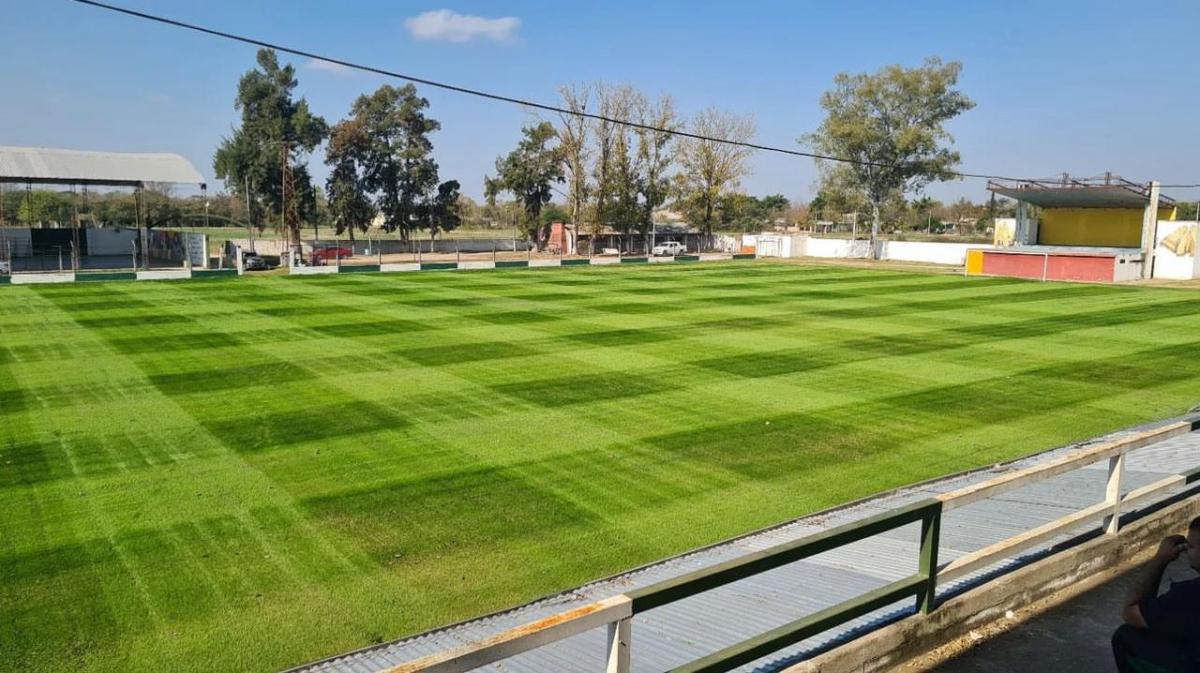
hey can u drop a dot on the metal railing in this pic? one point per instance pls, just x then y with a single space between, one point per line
617 612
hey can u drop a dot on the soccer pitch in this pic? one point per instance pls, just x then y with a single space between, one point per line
248 474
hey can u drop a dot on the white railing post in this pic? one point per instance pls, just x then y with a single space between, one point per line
618 645
1116 473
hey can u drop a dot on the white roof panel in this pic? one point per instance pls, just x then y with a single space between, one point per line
38 164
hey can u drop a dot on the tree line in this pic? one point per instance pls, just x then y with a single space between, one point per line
381 168
888 129
617 176
379 156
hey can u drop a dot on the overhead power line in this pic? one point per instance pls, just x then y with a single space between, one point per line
517 101
494 96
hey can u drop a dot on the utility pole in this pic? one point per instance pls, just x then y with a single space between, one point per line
290 214
283 204
249 215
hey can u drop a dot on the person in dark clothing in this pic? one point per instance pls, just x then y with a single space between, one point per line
1161 634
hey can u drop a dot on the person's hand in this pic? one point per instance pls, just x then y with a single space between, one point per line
1170 548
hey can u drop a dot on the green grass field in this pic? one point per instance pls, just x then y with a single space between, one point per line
247 474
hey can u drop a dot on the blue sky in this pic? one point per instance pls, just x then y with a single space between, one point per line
1082 87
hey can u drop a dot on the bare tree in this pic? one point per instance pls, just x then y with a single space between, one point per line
712 168
573 141
613 102
656 154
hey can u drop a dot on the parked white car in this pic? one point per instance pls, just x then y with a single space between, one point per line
669 249
5 267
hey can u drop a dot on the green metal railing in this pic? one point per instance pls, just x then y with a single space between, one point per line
922 585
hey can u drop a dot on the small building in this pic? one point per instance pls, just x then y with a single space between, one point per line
562 238
1090 229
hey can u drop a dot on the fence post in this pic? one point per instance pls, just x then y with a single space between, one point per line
618 645
1116 474
931 525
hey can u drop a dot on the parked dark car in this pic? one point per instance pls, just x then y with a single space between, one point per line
251 261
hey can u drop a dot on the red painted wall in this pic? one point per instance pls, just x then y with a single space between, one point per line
1075 267
1097 268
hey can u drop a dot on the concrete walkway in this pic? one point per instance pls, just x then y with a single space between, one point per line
675 634
1073 636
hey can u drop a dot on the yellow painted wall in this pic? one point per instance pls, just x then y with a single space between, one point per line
1115 227
974 262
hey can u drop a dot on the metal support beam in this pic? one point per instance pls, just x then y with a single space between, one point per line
1150 231
1116 474
619 634
931 529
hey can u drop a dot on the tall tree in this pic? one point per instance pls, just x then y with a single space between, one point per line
711 168
613 103
275 130
655 155
529 173
891 124
445 210
350 207
382 153
623 211
573 139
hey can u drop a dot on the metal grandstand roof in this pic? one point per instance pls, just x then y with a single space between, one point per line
54 166
1107 191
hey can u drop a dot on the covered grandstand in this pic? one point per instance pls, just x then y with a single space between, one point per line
1093 229
69 244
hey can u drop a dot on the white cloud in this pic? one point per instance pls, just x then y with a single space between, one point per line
444 24
326 66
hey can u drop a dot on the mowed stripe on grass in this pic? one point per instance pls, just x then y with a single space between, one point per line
248 474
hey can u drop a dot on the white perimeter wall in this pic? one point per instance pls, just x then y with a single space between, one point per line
839 248
932 252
